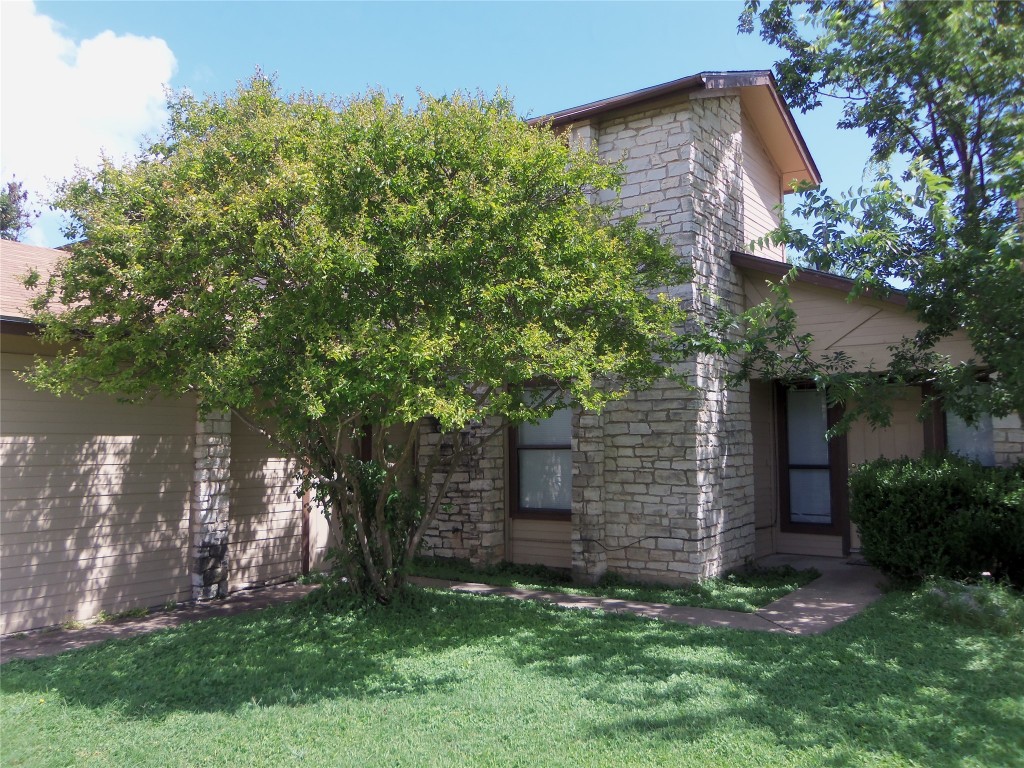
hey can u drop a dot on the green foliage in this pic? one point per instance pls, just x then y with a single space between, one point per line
103 617
323 269
15 215
940 516
938 85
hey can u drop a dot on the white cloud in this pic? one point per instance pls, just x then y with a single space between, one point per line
64 102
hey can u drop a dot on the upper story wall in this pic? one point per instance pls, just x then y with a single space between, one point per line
862 327
762 192
682 171
698 172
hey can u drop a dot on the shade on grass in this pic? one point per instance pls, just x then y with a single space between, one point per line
745 590
453 679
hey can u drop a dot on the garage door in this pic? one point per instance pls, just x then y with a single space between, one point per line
95 503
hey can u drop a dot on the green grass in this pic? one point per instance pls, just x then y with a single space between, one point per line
446 679
745 590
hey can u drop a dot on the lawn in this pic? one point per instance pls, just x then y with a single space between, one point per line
745 590
449 679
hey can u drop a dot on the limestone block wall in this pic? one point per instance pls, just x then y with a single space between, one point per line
662 480
211 506
471 524
678 465
1008 440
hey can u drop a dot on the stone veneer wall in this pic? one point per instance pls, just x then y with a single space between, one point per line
662 480
1008 440
211 506
471 525
678 473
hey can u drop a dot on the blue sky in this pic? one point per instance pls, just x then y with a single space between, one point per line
82 76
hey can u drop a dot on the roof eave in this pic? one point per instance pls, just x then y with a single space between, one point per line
746 261
761 78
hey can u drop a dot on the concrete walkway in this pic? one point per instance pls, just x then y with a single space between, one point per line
843 591
54 640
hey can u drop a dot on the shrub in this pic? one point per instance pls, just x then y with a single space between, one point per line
985 605
940 516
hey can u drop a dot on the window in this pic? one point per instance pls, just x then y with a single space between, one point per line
809 474
813 471
971 441
542 462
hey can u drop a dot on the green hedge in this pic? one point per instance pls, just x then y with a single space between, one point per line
940 516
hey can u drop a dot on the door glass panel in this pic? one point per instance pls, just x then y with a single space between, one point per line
807 421
545 479
809 496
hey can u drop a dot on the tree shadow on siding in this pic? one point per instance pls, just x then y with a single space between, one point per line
96 522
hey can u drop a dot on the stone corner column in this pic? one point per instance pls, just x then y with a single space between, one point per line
1008 440
211 505
589 558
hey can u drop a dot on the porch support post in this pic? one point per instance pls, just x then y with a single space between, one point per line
589 557
211 505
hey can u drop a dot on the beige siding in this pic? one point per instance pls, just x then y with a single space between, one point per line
541 542
266 515
862 328
766 470
95 503
319 540
903 437
762 192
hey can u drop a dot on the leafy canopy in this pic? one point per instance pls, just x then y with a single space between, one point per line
325 268
939 86
15 214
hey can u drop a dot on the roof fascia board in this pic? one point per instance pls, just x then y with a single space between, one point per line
574 114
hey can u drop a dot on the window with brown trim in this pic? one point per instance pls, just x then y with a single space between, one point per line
813 473
542 468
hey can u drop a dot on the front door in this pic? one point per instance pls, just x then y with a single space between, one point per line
813 474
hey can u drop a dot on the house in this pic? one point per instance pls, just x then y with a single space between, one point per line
106 506
681 484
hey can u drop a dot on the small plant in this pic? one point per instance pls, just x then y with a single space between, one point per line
316 577
103 617
983 605
171 604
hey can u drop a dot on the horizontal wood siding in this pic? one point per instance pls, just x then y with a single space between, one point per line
863 328
266 515
810 544
95 503
319 539
541 542
903 437
762 192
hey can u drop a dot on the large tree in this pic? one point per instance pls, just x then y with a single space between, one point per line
939 87
325 270
15 214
